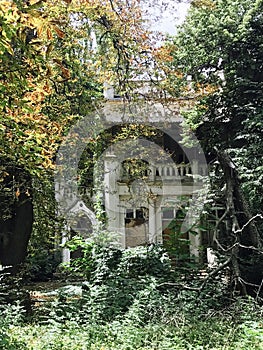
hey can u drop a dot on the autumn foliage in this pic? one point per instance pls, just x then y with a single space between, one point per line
55 57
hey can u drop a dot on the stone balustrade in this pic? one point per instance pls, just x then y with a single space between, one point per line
171 171
165 172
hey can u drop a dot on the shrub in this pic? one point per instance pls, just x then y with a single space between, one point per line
40 266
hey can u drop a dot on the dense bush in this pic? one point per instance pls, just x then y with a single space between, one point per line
40 265
99 261
11 292
136 284
116 279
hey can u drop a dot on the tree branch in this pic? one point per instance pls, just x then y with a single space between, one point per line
247 223
208 277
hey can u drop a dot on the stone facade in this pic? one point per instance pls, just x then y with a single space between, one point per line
142 208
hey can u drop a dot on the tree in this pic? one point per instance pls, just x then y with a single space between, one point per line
55 57
220 46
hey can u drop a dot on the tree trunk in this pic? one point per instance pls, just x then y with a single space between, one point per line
237 204
15 233
247 256
16 210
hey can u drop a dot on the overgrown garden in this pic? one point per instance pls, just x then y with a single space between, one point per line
56 59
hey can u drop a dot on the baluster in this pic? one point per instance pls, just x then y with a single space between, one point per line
179 170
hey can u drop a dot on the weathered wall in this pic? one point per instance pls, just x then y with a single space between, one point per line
136 232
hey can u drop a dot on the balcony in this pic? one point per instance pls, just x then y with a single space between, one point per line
160 172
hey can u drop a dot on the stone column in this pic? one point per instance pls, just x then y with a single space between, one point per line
194 165
158 222
121 228
65 251
152 222
111 175
114 211
152 173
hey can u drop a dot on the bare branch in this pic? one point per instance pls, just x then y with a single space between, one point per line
215 271
179 286
259 289
249 221
237 244
199 289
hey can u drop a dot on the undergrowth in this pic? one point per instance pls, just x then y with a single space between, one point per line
132 300
216 332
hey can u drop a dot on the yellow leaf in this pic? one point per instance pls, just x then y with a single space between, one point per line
33 2
49 49
65 72
59 32
49 34
39 31
7 46
17 192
